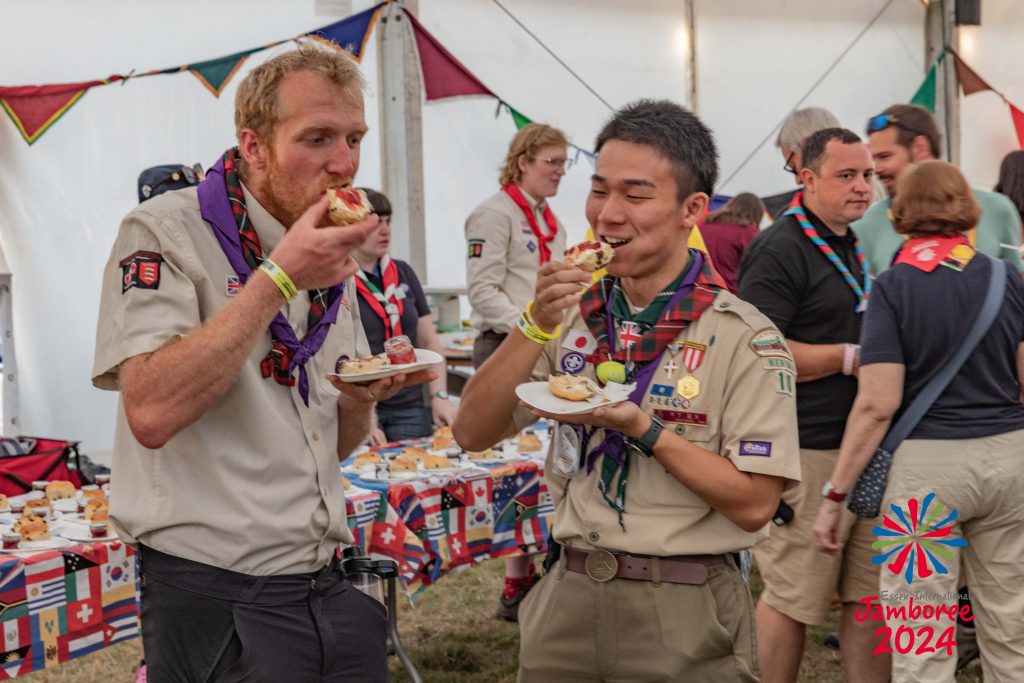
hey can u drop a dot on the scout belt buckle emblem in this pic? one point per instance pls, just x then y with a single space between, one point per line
602 566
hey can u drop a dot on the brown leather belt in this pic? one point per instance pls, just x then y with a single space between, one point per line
602 566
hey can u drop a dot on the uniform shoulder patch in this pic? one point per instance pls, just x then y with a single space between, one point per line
769 342
476 248
142 270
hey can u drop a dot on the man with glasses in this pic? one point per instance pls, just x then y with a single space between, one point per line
796 128
904 134
509 237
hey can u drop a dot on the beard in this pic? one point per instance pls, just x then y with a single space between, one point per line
285 198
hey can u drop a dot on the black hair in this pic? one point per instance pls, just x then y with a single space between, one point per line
380 203
1011 179
813 152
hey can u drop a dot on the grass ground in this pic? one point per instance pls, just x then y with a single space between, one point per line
452 636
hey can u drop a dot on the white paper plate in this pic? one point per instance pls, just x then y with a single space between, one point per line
78 532
392 477
66 505
29 547
537 395
424 359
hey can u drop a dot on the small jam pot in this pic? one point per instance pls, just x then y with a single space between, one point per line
399 350
98 529
11 539
17 508
102 480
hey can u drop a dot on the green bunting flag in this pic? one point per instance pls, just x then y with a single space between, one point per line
517 118
925 95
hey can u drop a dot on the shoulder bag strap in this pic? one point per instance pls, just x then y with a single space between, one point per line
993 302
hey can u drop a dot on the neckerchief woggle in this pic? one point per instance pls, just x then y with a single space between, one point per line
796 210
613 446
386 304
216 209
513 191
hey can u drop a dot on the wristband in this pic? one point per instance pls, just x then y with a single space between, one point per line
280 278
529 319
850 355
531 332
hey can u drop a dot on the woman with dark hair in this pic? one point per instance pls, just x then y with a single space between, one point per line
392 303
960 470
1011 179
728 231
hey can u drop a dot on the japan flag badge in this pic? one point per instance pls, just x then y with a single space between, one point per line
581 341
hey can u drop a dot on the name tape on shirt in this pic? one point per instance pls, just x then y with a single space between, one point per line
699 419
142 270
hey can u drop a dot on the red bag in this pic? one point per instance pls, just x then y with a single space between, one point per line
47 459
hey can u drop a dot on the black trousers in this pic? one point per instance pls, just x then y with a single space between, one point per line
485 344
205 624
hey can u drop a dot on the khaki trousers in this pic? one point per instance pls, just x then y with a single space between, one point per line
574 629
983 480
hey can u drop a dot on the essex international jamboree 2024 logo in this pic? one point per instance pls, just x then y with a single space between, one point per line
918 539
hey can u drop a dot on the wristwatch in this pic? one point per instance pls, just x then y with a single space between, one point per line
645 444
443 395
829 491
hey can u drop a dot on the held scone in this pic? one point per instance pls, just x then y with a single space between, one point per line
591 256
346 207
360 365
570 387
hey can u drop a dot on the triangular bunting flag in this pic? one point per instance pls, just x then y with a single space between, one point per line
350 34
216 73
443 75
34 108
925 95
970 81
1018 124
517 118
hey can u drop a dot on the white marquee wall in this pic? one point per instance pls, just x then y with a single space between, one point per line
61 200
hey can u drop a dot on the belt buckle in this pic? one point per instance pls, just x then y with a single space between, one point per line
602 566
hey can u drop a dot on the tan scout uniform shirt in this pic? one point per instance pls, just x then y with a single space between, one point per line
503 260
745 411
253 485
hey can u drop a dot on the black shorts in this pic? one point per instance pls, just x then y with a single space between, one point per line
202 623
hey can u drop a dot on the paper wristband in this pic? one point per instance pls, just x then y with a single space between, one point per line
530 331
280 278
529 319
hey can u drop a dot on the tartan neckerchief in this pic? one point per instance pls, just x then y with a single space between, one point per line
516 195
222 199
669 321
647 317
387 305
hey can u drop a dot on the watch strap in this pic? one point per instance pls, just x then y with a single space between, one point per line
645 444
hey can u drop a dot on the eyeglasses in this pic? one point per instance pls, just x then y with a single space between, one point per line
564 164
789 167
883 121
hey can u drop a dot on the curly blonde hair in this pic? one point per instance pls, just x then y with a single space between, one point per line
933 197
528 141
256 102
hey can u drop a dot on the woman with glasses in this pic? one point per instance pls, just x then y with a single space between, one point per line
953 492
510 236
392 303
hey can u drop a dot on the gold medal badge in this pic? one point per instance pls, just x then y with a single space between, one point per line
693 353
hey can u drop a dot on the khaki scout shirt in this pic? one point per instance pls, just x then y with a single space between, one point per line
503 260
253 485
745 411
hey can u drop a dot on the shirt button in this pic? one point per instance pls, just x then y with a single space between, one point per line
725 304
680 429
593 537
316 436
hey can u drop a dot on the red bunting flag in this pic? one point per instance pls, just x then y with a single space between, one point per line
443 75
34 108
1018 123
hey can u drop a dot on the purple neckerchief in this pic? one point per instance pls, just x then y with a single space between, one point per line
613 444
216 210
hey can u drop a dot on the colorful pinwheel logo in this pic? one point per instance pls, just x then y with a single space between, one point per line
916 539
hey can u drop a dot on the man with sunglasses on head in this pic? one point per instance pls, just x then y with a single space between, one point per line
905 134
806 273
509 237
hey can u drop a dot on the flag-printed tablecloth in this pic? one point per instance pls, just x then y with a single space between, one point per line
434 524
56 605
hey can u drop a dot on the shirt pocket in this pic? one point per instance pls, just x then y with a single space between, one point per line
653 485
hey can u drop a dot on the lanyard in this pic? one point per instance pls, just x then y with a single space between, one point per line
797 211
